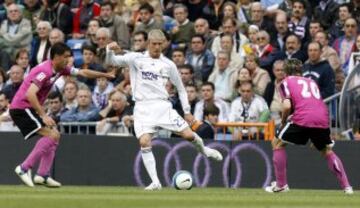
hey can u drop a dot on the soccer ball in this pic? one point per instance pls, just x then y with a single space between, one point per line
182 180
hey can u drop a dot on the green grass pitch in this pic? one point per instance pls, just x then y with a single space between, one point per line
134 197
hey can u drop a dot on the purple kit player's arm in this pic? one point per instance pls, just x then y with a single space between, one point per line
91 74
286 102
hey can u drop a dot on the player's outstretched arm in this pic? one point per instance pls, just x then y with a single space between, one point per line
91 74
34 102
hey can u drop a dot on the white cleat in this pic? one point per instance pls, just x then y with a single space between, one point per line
24 176
349 190
46 181
273 188
213 153
153 187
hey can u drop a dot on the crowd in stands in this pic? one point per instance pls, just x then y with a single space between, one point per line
229 53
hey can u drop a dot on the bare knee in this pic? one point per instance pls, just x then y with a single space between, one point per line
55 135
277 144
326 151
145 141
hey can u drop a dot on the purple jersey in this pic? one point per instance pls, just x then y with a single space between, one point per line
309 110
43 76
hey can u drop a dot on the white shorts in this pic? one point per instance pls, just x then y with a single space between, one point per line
149 116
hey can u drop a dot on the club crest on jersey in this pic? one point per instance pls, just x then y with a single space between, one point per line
149 75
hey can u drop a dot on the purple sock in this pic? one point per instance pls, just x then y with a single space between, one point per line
336 166
47 160
41 147
280 162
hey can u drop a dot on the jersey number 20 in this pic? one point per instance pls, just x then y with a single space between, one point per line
309 90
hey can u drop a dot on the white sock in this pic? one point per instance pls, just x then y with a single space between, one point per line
198 143
150 163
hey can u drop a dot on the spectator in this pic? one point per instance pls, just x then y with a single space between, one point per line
207 94
211 116
139 41
243 14
117 26
355 56
5 60
184 29
328 53
89 62
32 12
4 105
178 56
314 27
3 78
85 110
56 36
201 27
103 38
70 90
337 29
224 78
147 20
55 106
325 12
260 78
212 12
272 94
192 93
227 45
257 17
299 22
16 78
187 74
15 31
101 92
282 31
88 10
229 10
249 107
59 15
265 50
293 49
345 44
200 58
40 45
6 123
117 110
22 60
319 70
229 28
93 27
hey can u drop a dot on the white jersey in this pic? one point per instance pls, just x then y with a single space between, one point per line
247 112
148 76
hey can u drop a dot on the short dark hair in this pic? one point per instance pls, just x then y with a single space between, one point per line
5 94
147 7
54 95
59 49
178 50
3 74
143 33
199 36
301 2
107 3
88 47
21 51
187 66
209 84
211 109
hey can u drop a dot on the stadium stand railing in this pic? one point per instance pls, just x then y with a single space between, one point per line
235 130
86 128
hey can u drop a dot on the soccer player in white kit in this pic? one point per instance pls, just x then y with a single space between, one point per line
149 73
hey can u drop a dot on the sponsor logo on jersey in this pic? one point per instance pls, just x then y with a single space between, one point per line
149 75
